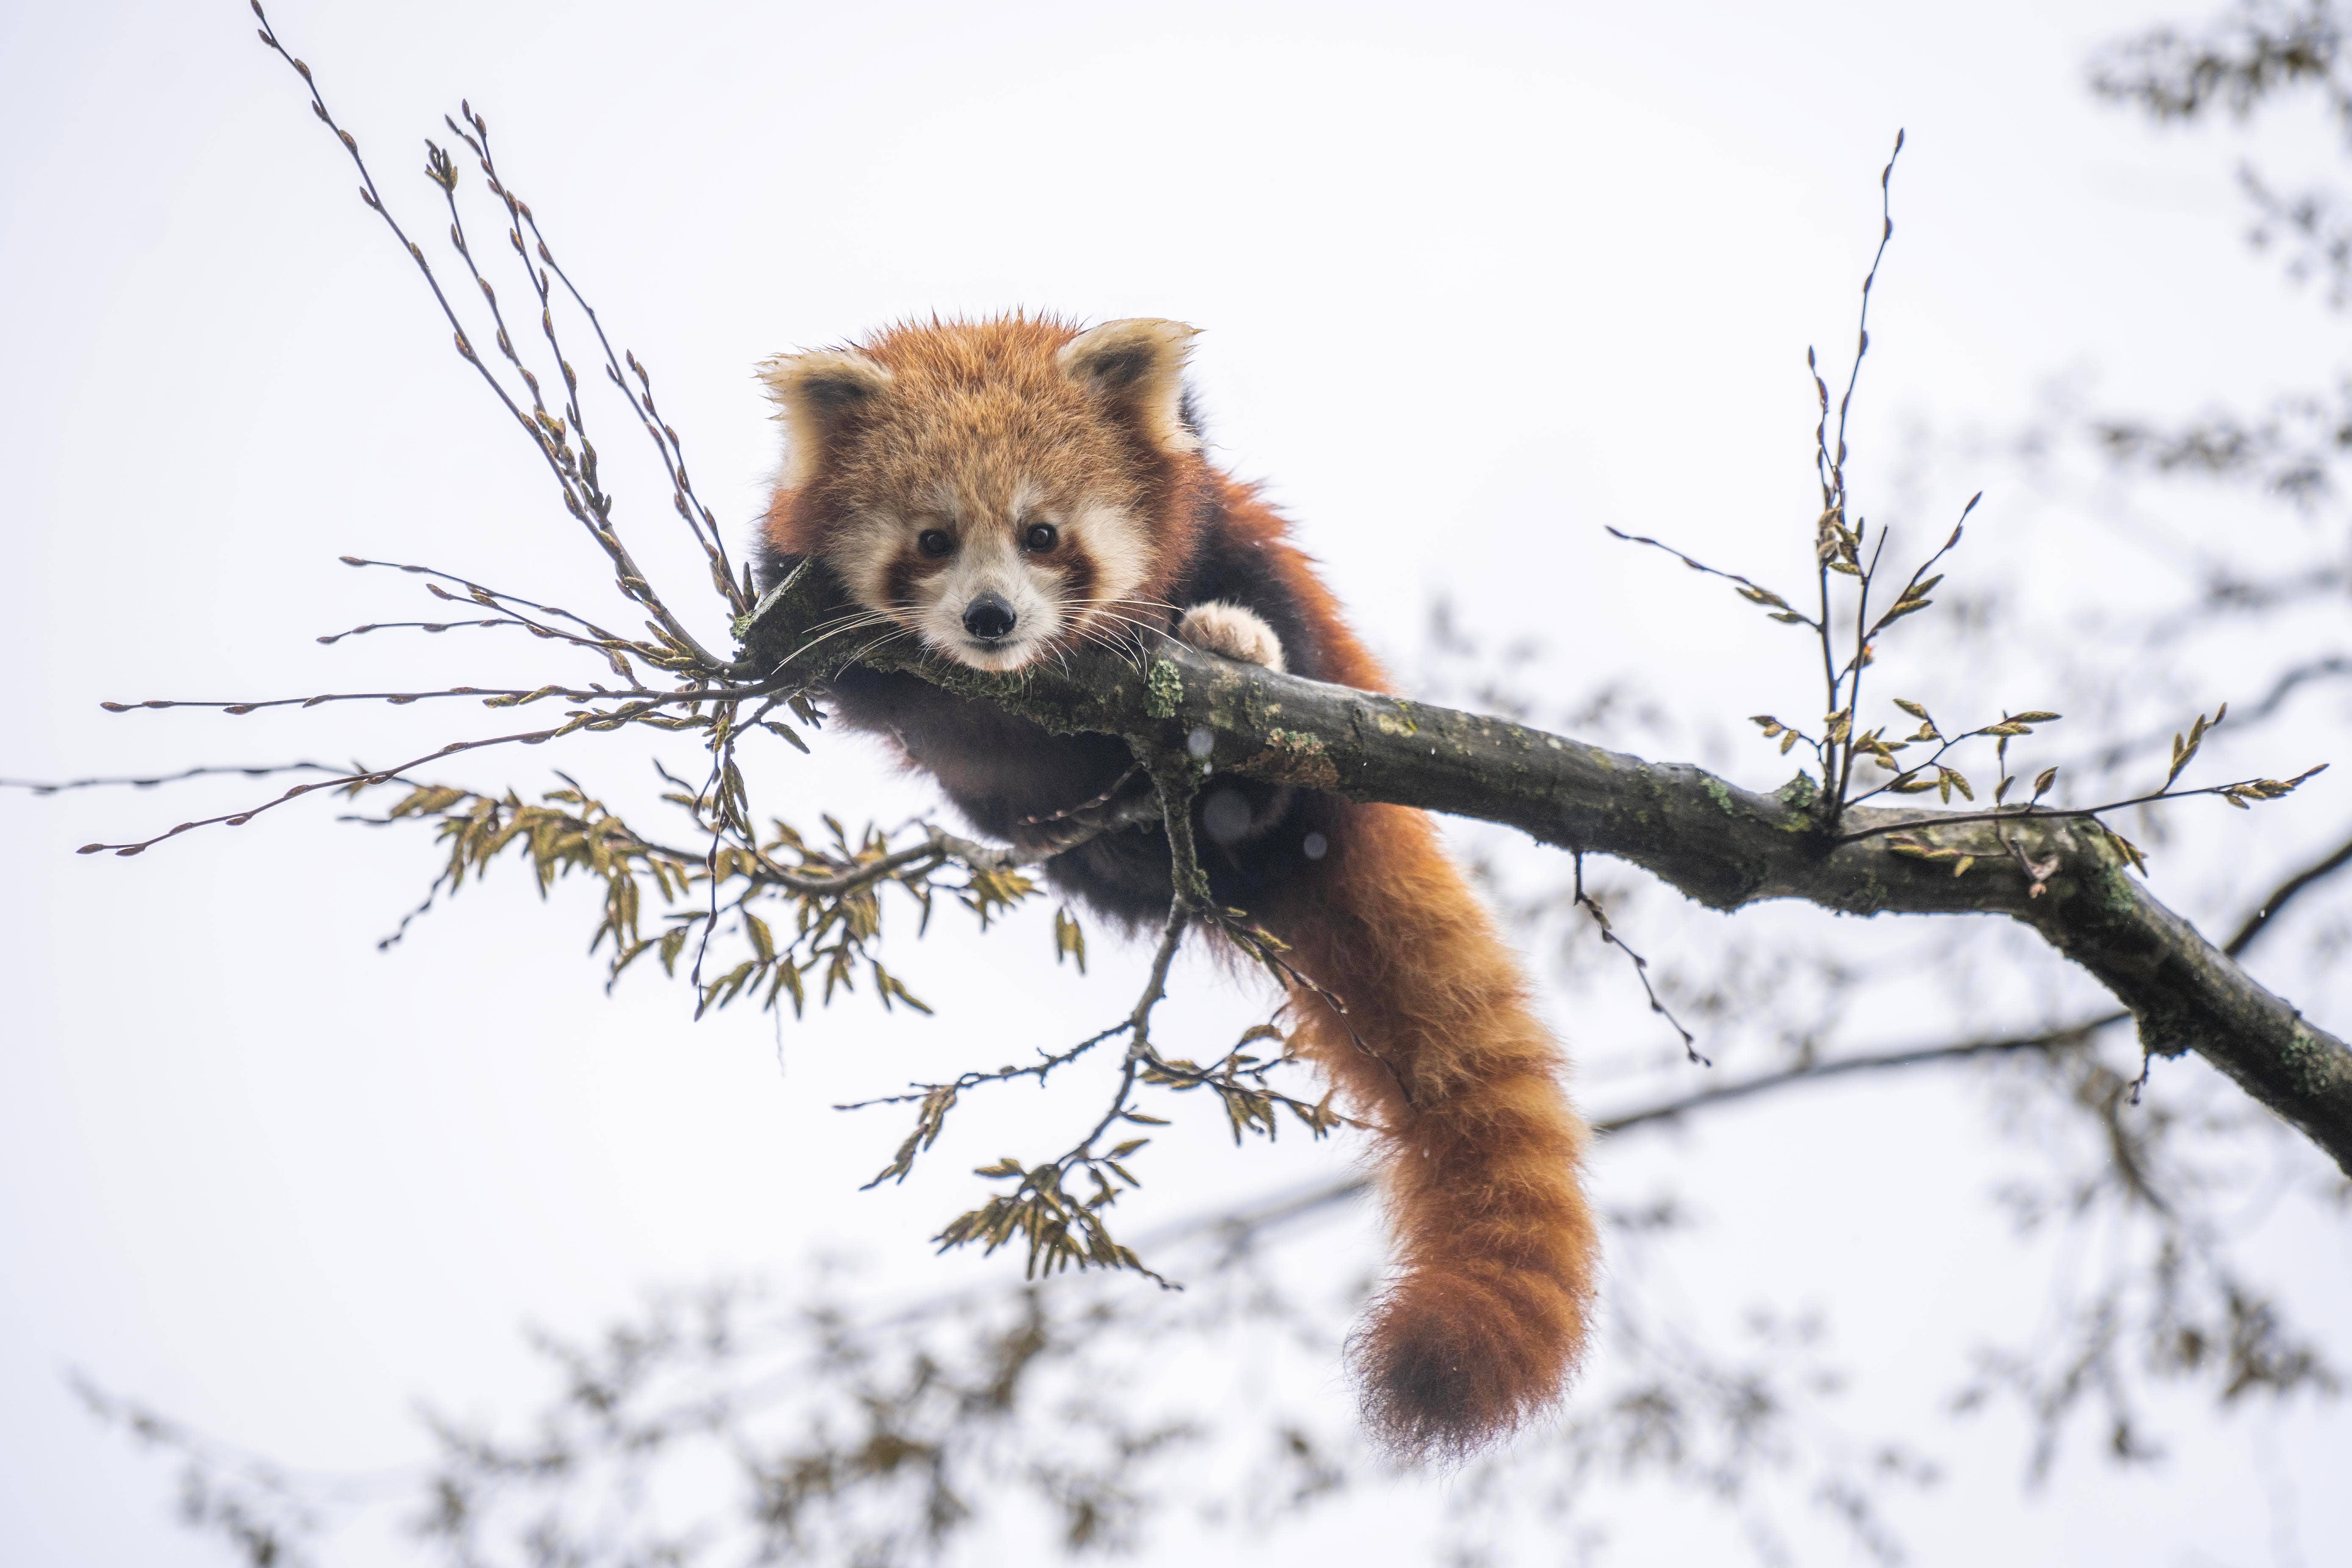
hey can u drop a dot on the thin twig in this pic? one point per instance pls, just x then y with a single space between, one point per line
1641 966
2054 814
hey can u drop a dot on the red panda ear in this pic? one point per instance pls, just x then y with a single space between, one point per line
816 394
1138 365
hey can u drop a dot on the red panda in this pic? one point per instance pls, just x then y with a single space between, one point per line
1005 489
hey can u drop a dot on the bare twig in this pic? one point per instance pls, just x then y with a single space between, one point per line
1640 965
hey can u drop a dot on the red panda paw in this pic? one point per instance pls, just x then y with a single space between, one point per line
1232 631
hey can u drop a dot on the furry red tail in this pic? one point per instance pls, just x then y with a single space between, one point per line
1486 1318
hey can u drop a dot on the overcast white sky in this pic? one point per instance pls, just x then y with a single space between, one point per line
1474 280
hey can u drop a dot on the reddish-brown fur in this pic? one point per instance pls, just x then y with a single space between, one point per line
1488 1313
1439 1050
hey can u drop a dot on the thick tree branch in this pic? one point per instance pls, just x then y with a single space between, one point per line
1717 842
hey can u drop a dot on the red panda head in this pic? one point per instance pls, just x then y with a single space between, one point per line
997 489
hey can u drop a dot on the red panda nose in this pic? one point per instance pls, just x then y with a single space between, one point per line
988 616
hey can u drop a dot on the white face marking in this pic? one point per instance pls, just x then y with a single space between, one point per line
1114 540
989 559
864 555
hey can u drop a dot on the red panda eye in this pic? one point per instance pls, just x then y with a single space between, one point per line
934 543
1041 538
